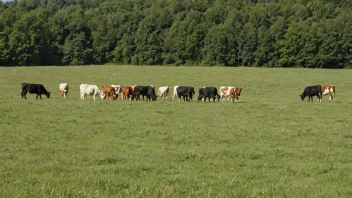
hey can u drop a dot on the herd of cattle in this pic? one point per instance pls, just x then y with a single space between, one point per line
136 92
181 92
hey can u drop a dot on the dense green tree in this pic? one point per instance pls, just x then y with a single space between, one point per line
262 33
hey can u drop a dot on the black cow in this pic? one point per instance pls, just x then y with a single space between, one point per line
185 92
38 89
208 92
311 91
147 91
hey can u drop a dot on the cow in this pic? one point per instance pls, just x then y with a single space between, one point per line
38 89
163 92
208 92
311 91
63 88
186 92
127 92
108 92
117 89
91 90
147 91
232 93
328 89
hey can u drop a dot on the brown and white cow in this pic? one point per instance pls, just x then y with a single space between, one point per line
328 89
232 93
108 92
117 89
163 92
91 90
63 88
127 92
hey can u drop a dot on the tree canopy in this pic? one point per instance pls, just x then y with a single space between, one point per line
259 33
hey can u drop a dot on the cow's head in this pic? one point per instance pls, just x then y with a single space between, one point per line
200 97
114 96
102 95
237 93
48 95
303 96
154 97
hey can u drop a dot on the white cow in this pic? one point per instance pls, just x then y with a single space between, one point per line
175 92
91 90
63 88
163 92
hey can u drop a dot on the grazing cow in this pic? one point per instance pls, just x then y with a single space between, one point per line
147 91
117 89
232 93
311 91
90 90
208 92
63 88
163 92
108 92
328 89
38 89
186 92
127 92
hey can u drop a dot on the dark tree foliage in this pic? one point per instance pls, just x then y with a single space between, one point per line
260 33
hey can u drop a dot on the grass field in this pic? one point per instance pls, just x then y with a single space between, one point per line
270 144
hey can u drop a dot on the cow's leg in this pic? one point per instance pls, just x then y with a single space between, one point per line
330 96
334 95
24 93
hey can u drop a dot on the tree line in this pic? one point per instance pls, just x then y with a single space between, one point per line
258 33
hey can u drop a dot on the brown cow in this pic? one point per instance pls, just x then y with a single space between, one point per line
108 92
328 89
127 92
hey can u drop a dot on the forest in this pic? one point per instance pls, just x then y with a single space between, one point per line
252 33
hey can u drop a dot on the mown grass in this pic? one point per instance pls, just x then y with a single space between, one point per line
270 144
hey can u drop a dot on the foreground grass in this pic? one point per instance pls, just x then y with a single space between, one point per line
269 144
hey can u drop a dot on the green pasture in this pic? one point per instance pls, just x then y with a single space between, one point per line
270 144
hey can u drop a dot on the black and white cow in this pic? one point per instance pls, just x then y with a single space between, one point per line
38 89
208 92
311 91
186 92
148 91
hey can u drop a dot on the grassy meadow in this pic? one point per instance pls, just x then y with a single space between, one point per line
270 144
